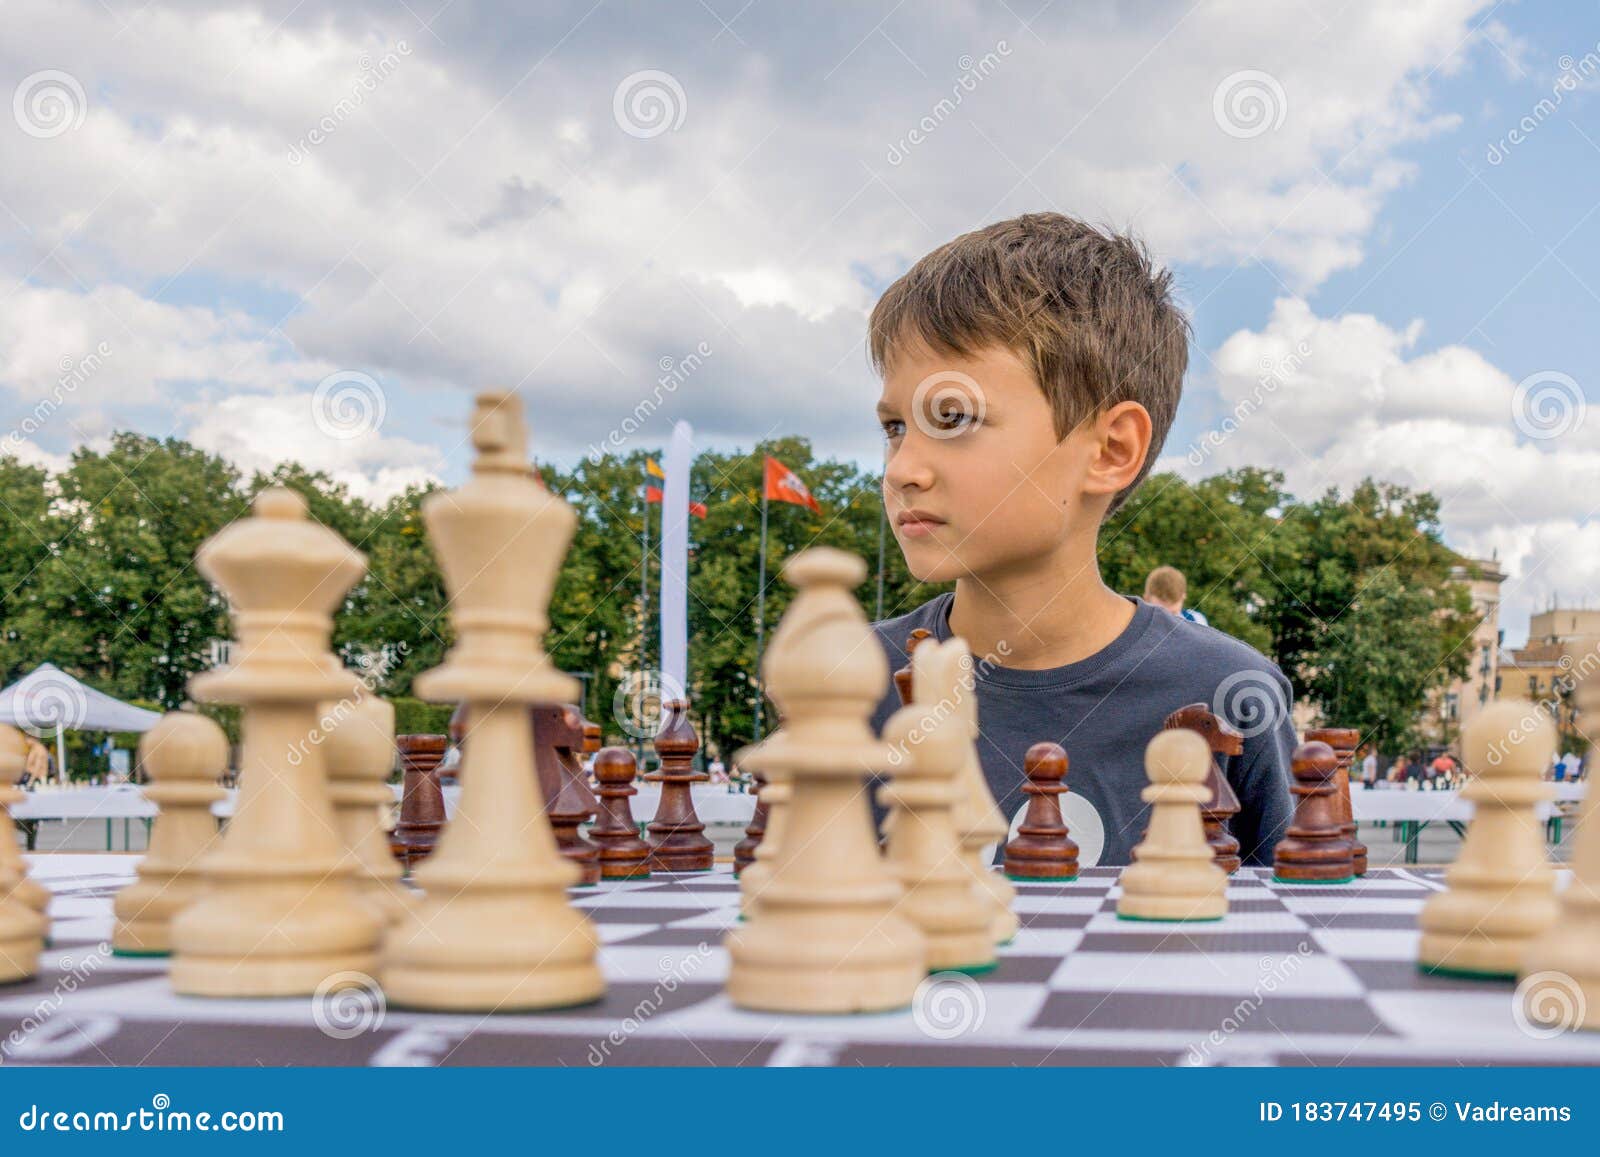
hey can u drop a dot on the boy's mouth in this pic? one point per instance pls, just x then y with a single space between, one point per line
916 523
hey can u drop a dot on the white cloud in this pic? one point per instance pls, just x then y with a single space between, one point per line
473 215
1331 401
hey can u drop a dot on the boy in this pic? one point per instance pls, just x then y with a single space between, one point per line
1031 371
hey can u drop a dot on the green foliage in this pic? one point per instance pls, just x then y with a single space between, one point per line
1350 595
416 717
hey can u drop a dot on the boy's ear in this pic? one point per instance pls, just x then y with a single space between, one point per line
1122 441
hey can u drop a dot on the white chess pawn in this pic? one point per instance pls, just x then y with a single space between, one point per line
22 924
1173 876
1501 889
359 749
13 763
184 754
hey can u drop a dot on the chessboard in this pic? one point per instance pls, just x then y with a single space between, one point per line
1293 975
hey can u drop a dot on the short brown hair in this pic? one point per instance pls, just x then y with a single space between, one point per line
1167 584
1088 310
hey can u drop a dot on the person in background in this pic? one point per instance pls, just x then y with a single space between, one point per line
1167 588
1369 767
1443 766
1400 771
38 764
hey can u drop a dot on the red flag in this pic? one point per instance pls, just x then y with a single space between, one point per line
784 485
653 494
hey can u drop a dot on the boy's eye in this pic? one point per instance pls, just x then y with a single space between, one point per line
893 428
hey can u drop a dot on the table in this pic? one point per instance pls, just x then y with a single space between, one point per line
1414 810
1295 974
126 802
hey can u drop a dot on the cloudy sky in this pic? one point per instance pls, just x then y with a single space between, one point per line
311 229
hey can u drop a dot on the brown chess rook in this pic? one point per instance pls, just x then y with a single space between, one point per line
677 840
1344 741
1223 739
1315 850
623 855
744 852
1042 849
421 798
557 738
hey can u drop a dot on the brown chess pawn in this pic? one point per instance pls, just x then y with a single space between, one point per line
1315 850
677 839
592 741
1222 805
1042 849
557 735
421 798
623 855
1344 741
744 852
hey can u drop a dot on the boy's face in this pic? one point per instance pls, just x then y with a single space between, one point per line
971 444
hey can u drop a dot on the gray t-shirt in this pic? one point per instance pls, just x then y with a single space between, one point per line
1104 709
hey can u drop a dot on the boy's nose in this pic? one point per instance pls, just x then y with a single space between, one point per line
904 468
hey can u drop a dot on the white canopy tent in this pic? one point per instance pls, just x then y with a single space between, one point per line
48 699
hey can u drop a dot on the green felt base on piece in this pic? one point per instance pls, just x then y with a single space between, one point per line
131 952
1314 883
968 969
1171 919
1463 973
1041 879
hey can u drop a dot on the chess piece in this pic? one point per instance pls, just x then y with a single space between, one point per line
494 929
1344 741
13 764
677 842
22 924
827 934
456 729
1314 850
1500 891
184 755
1221 803
591 738
557 735
421 799
978 817
1173 876
622 854
1042 849
744 852
776 792
279 912
924 848
1560 971
358 746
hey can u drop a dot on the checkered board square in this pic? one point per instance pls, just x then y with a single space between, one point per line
1294 975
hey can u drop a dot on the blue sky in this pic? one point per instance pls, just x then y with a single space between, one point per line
311 230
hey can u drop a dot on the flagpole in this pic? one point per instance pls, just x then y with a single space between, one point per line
644 611
761 605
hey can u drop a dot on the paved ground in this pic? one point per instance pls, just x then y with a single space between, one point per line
1438 843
